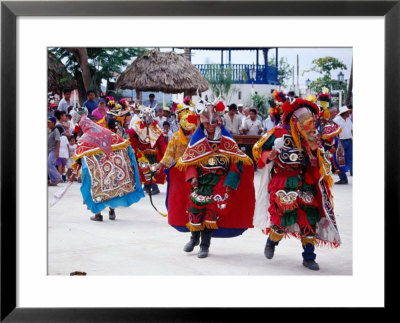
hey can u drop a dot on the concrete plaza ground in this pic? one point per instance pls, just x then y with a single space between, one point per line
140 242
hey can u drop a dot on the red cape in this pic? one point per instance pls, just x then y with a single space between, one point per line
240 206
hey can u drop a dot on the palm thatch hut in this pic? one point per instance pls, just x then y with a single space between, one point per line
57 76
167 72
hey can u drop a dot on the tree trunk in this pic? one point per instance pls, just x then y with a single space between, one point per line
81 88
83 60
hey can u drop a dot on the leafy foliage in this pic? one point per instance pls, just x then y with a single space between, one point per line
104 63
220 80
325 66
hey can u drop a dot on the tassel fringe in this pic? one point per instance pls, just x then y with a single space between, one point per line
211 225
97 151
274 236
195 227
317 242
308 240
182 166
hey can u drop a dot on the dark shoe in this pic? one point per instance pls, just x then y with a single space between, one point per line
310 264
194 241
205 243
154 189
203 252
111 214
97 217
341 182
146 188
269 251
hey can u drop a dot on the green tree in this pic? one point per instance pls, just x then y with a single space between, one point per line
284 70
220 80
261 102
90 66
325 66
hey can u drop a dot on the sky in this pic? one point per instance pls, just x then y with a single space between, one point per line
306 56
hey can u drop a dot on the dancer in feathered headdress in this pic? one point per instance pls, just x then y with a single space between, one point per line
328 131
294 196
147 141
275 112
221 176
178 190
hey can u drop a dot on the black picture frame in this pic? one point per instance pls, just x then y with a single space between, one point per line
10 10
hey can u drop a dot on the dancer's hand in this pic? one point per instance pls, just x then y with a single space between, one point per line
272 154
158 168
72 177
195 183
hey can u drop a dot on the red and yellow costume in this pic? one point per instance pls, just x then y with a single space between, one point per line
148 143
218 164
295 191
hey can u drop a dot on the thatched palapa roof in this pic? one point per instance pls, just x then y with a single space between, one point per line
167 72
57 75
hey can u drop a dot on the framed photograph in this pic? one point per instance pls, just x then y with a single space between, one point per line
34 288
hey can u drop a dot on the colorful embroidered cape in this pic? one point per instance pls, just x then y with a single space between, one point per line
330 138
237 216
294 194
109 170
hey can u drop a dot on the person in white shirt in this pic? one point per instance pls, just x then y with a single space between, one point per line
71 149
65 102
246 115
252 126
346 139
63 155
160 118
268 124
240 112
232 121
